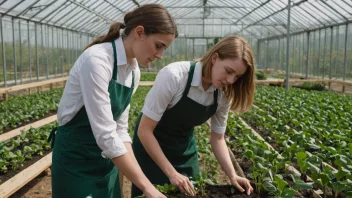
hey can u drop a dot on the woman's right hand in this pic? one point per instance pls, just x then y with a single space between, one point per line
182 182
152 192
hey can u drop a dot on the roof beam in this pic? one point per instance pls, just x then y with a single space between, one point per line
207 6
311 30
13 7
46 6
89 10
56 10
250 12
2 2
295 4
272 25
346 19
36 21
28 8
117 8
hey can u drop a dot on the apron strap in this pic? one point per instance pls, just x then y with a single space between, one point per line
216 96
132 86
114 72
190 77
51 137
189 81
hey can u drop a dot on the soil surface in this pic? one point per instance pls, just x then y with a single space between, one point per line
26 163
40 187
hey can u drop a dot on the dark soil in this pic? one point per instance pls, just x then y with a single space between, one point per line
6 176
217 192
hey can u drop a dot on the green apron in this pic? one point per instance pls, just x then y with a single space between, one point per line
174 133
78 168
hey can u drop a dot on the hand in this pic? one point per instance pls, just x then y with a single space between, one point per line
182 182
152 192
240 182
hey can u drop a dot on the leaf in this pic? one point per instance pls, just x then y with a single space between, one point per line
288 193
331 149
209 181
314 146
339 186
301 185
281 184
342 172
313 168
268 186
301 155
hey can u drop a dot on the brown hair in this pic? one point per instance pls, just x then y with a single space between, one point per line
153 17
241 93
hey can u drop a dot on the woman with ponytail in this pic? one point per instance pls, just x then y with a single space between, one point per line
92 142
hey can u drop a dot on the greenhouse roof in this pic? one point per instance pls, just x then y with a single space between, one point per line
259 18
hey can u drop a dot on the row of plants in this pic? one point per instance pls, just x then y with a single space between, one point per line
294 146
19 110
263 164
17 151
148 76
321 109
322 116
14 152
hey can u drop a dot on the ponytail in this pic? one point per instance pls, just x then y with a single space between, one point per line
113 34
153 17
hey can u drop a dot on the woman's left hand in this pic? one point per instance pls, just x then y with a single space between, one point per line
240 182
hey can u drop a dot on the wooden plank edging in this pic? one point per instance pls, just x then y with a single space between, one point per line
31 85
18 181
37 124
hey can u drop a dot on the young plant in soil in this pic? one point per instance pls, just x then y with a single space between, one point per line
200 182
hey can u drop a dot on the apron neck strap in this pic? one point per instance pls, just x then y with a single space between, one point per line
189 81
132 86
190 77
216 96
114 72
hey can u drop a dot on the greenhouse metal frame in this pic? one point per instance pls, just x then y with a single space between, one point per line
41 39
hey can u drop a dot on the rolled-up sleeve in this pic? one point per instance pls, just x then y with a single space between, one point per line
94 81
161 94
219 119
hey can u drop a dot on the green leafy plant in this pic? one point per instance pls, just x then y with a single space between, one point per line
317 86
260 75
278 186
200 182
148 76
166 188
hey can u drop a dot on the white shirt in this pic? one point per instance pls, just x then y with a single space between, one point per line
168 88
87 85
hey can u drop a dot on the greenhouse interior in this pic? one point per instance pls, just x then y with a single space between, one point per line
291 138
